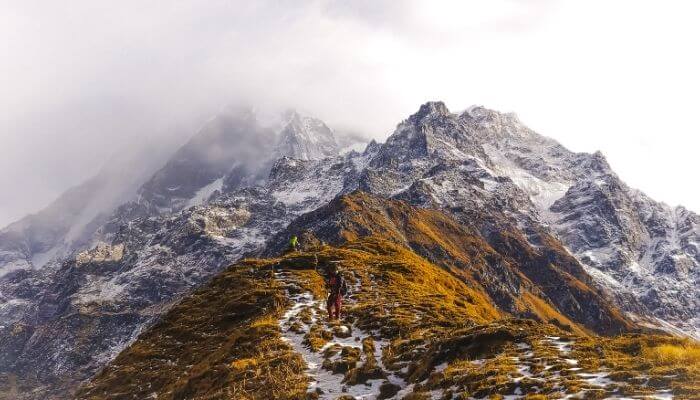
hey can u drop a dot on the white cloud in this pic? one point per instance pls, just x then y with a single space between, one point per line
84 78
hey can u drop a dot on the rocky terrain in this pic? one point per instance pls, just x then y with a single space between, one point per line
533 230
411 330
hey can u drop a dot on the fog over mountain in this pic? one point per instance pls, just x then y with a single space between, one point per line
85 83
501 194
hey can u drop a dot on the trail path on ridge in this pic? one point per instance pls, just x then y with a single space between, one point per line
347 361
347 346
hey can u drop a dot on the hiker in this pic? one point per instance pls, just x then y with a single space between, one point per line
337 289
294 243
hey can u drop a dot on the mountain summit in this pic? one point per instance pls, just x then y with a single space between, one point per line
306 138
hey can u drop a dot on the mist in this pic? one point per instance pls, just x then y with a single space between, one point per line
85 82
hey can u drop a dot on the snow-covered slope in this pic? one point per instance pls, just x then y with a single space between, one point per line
234 149
232 140
643 252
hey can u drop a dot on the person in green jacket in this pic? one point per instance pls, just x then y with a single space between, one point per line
294 243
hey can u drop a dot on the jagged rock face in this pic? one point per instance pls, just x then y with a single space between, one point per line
229 141
306 138
100 300
483 160
69 222
627 241
233 150
93 306
524 195
588 206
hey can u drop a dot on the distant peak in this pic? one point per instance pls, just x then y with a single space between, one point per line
291 114
306 138
478 112
475 109
372 147
430 108
598 156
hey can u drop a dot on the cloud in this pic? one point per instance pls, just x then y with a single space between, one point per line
444 20
85 80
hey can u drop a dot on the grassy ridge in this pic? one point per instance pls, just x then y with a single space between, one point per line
519 278
221 342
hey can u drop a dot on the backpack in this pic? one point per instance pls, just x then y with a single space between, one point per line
343 286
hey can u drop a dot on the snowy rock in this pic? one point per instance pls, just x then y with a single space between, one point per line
306 138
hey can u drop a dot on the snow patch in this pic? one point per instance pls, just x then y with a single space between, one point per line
542 193
330 385
15 266
41 259
98 291
205 192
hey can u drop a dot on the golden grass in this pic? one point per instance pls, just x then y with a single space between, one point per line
548 273
684 354
408 278
546 312
221 342
244 364
668 361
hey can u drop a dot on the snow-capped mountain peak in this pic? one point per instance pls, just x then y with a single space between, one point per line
306 138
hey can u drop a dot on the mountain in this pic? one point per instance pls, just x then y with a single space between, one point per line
522 228
70 221
412 330
230 142
306 138
511 274
643 253
72 318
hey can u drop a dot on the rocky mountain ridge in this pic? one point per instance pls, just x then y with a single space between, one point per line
534 203
611 229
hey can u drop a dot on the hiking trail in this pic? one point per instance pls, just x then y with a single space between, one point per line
347 362
348 347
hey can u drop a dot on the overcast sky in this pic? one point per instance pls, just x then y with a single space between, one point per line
84 79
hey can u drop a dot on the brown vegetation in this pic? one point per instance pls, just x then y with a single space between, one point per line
418 282
222 342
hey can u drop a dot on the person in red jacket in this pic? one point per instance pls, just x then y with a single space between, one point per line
337 288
